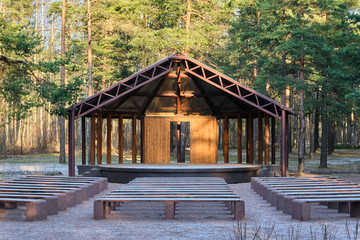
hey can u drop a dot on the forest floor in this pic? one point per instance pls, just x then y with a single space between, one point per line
263 221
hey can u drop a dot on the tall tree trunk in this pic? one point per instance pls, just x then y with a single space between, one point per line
353 130
187 26
331 136
311 132
324 137
301 149
90 77
62 79
316 130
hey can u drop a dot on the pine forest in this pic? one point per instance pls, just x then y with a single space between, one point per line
304 54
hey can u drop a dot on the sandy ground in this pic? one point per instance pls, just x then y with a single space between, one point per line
147 221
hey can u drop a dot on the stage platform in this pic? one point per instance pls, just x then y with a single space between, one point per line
232 173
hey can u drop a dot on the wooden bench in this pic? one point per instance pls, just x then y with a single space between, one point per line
66 197
171 191
301 208
295 196
102 183
51 201
36 209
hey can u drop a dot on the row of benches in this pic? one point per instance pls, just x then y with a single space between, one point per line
294 195
46 195
171 191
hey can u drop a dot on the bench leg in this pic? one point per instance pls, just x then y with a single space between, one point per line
52 205
279 202
169 209
355 209
113 206
301 210
63 201
344 207
99 209
273 197
239 210
287 204
36 211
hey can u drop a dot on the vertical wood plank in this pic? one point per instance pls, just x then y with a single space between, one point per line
260 139
134 150
92 142
83 141
121 139
99 138
283 143
251 138
267 138
239 138
226 139
142 139
108 138
71 143
273 140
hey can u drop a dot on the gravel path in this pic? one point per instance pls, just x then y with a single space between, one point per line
77 223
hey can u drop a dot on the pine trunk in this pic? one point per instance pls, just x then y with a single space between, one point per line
62 79
324 137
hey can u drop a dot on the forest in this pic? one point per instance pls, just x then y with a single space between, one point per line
304 54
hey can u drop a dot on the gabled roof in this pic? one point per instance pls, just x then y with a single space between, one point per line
203 91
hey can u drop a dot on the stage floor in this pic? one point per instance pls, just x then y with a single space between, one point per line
232 173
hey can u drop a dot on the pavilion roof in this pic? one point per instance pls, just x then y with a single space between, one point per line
201 90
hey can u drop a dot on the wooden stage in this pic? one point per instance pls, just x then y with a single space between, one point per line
232 173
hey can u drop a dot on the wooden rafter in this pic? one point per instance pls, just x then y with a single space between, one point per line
122 88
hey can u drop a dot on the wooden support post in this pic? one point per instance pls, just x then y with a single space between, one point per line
239 139
121 139
92 142
284 150
251 139
99 138
260 138
267 138
273 140
134 152
83 141
142 160
226 139
247 139
178 153
108 138
71 143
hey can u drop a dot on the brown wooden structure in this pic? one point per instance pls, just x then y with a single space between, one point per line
180 89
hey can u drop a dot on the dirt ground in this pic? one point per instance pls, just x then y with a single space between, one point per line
192 222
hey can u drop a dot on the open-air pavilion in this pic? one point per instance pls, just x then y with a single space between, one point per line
178 90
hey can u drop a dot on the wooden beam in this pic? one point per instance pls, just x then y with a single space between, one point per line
83 141
266 139
134 150
284 150
226 139
260 139
273 140
239 139
92 142
71 143
142 121
99 138
108 140
251 139
178 90
121 139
